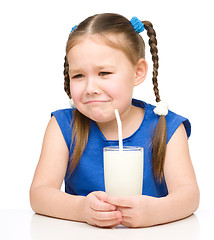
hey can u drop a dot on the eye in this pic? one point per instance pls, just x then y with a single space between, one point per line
78 76
104 73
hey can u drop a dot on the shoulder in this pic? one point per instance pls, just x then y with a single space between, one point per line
173 120
65 114
63 118
53 133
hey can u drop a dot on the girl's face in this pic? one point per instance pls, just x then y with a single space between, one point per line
102 78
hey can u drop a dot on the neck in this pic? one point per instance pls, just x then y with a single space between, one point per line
129 124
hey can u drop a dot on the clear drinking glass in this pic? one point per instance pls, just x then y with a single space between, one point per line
123 170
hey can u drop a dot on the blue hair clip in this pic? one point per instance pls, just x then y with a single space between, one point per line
137 24
73 28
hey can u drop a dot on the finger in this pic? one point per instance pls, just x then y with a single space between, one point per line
120 201
99 205
107 223
103 216
126 211
101 195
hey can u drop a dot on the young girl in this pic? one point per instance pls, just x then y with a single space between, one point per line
105 60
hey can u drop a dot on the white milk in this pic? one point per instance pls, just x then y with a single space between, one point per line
123 171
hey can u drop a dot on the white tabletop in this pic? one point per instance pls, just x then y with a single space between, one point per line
24 224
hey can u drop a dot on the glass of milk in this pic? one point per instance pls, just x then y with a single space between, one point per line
123 170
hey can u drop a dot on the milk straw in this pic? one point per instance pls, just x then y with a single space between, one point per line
119 124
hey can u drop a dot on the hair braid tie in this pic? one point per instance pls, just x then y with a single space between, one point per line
161 108
137 25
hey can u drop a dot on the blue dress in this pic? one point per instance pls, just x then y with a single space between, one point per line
88 176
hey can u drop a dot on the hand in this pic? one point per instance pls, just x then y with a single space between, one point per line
136 211
97 212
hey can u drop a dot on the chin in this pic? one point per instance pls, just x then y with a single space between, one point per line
102 119
99 119
99 115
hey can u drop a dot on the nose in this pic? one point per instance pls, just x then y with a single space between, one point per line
91 87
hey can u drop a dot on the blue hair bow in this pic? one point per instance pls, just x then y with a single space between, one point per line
137 24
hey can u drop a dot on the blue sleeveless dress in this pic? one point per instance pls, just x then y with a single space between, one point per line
89 173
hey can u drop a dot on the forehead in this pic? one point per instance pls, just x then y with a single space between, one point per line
111 39
95 47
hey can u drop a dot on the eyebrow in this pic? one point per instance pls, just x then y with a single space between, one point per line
74 70
78 70
105 66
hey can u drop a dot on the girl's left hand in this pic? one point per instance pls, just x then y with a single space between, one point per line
137 211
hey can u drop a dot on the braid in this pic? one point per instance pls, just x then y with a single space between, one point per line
154 51
80 123
66 78
160 134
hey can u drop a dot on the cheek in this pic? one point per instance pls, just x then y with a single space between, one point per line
119 89
75 90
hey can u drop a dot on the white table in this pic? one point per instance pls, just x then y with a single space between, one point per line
24 224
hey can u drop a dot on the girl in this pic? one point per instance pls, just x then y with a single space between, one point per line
105 60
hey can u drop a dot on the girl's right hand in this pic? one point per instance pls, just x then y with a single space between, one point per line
95 211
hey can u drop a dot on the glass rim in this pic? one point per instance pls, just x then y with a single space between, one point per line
125 148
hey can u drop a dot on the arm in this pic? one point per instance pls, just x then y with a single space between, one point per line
45 195
46 198
183 197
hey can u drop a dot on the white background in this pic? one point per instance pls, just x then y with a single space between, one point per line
33 36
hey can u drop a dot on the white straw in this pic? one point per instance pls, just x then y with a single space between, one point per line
119 124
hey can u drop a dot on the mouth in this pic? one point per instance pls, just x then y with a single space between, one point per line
96 102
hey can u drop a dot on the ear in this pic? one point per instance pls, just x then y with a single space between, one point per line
141 71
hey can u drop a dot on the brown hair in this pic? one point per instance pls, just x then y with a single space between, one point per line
132 44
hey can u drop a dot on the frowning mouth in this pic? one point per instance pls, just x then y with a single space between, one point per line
96 102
